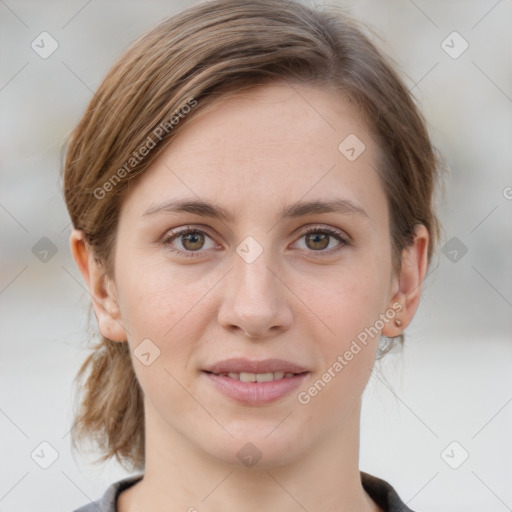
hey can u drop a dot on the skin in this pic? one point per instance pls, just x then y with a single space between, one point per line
254 154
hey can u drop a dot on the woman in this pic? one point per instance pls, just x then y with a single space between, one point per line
251 192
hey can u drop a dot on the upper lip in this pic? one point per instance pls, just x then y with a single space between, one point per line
239 365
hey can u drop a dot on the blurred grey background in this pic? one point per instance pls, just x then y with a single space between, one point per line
437 416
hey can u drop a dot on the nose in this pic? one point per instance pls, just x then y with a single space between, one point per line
255 299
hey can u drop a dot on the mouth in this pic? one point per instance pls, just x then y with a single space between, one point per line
257 377
256 382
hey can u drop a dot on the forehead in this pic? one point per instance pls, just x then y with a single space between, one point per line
264 148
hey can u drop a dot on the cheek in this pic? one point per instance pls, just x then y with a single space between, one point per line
350 308
348 300
167 306
155 298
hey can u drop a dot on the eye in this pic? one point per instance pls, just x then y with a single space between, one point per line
317 239
192 240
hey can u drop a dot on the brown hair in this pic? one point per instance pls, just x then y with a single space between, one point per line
195 58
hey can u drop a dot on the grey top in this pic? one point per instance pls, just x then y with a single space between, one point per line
379 490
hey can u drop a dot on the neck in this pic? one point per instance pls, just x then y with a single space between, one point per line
179 476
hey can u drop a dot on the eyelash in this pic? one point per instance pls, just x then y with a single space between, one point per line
171 236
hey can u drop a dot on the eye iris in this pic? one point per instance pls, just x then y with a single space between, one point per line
193 238
318 237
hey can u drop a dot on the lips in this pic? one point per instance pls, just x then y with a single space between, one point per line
256 382
240 365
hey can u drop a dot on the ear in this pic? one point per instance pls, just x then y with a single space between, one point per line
406 299
101 288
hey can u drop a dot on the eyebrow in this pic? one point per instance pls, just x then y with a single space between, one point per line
205 209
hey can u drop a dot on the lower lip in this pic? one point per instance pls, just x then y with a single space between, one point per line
255 393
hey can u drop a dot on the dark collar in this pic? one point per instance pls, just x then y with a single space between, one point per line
379 490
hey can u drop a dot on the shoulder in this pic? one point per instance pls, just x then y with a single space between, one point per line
107 503
383 494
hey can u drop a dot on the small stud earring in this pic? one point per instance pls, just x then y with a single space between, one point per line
398 323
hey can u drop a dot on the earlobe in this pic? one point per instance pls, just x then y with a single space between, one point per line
101 289
410 281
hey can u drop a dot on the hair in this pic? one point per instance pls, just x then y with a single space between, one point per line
198 56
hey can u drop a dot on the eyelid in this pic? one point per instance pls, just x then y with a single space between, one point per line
175 233
336 232
344 240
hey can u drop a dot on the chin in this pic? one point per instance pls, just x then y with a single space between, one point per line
256 446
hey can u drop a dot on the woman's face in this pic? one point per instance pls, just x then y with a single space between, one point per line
252 284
